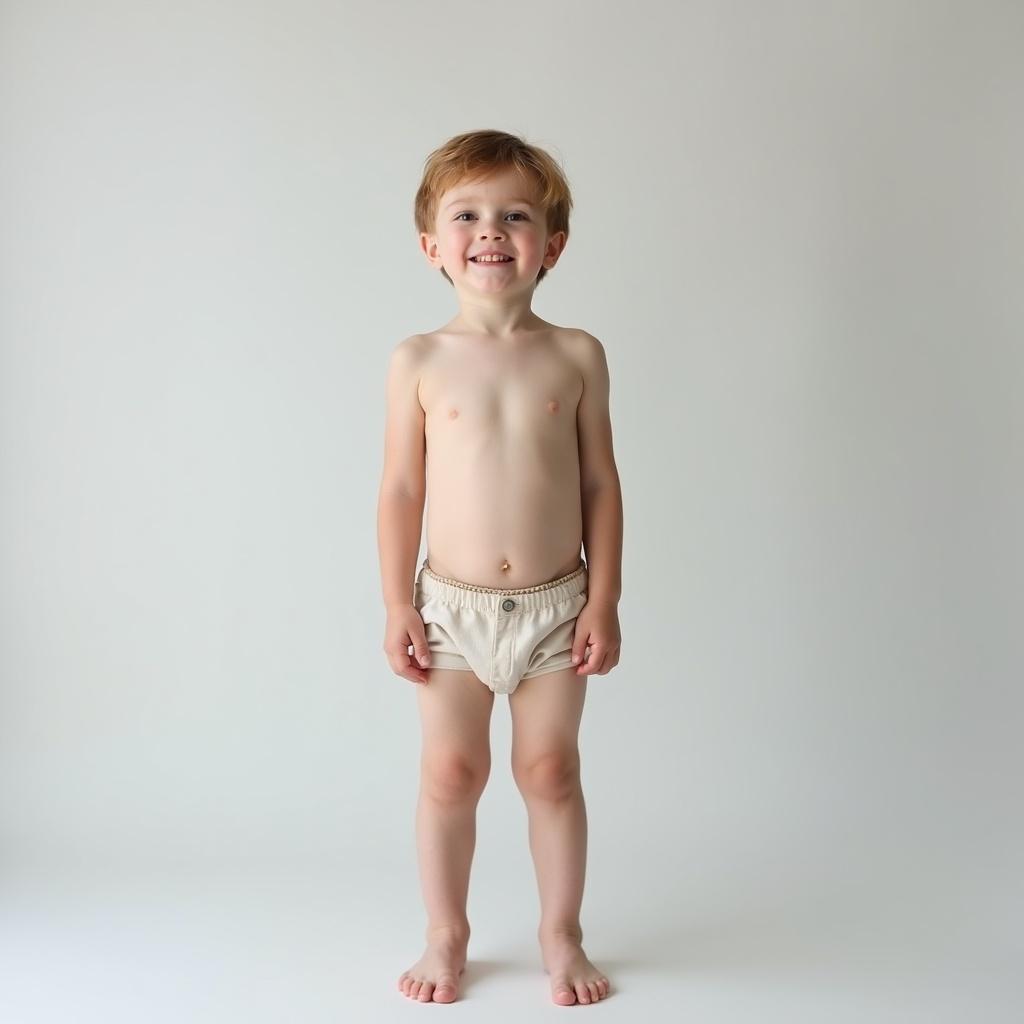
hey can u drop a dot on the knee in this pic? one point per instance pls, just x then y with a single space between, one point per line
551 776
453 777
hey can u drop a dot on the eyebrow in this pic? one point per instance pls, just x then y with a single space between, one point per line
466 199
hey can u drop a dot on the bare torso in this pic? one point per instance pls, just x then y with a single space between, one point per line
503 473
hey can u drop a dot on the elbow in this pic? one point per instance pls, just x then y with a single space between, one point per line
402 492
607 481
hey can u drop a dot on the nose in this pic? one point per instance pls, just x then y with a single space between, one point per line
493 233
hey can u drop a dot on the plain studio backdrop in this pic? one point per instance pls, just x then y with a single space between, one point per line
799 233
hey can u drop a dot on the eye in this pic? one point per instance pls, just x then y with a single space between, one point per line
514 213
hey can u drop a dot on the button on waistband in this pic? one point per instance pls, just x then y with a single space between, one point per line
508 604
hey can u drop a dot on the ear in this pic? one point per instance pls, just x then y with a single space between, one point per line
553 248
428 245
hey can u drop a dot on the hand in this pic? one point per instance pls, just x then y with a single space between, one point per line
405 629
597 625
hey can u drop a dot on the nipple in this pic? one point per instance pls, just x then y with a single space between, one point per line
553 405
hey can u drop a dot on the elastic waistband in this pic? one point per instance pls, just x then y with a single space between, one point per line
468 595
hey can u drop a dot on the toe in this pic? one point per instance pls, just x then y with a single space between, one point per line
592 989
562 992
581 992
414 989
426 991
444 992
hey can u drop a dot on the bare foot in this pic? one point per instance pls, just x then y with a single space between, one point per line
573 977
435 976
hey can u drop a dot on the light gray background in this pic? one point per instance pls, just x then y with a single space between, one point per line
798 232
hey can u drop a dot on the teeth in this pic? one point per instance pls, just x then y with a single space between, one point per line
492 259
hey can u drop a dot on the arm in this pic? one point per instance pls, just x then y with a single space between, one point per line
599 478
403 482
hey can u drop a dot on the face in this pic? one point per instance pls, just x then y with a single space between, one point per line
499 215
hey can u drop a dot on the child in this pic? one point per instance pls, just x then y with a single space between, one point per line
511 413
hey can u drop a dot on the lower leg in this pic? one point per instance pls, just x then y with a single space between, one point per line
445 841
546 711
445 838
558 842
455 711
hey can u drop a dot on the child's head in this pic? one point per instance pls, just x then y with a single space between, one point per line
490 169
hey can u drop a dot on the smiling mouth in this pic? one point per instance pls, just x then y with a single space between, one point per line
489 263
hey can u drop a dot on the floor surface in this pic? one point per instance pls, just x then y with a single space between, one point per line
311 947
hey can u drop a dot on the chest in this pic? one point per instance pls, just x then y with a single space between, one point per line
515 390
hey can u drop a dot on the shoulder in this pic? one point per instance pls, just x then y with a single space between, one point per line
580 342
410 356
409 352
405 367
586 351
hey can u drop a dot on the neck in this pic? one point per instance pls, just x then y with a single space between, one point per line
497 318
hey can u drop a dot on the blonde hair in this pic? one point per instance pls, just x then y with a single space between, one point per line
479 154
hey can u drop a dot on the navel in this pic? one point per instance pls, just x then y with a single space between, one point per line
505 566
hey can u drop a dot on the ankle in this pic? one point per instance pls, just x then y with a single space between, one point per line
573 932
455 932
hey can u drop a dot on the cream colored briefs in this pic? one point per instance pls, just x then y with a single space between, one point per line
501 635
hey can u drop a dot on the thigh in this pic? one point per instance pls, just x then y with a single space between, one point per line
455 714
546 713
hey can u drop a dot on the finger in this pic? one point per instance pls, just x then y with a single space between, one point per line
597 652
402 665
414 672
418 672
579 648
421 651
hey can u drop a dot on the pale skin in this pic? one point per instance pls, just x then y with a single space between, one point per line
511 413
